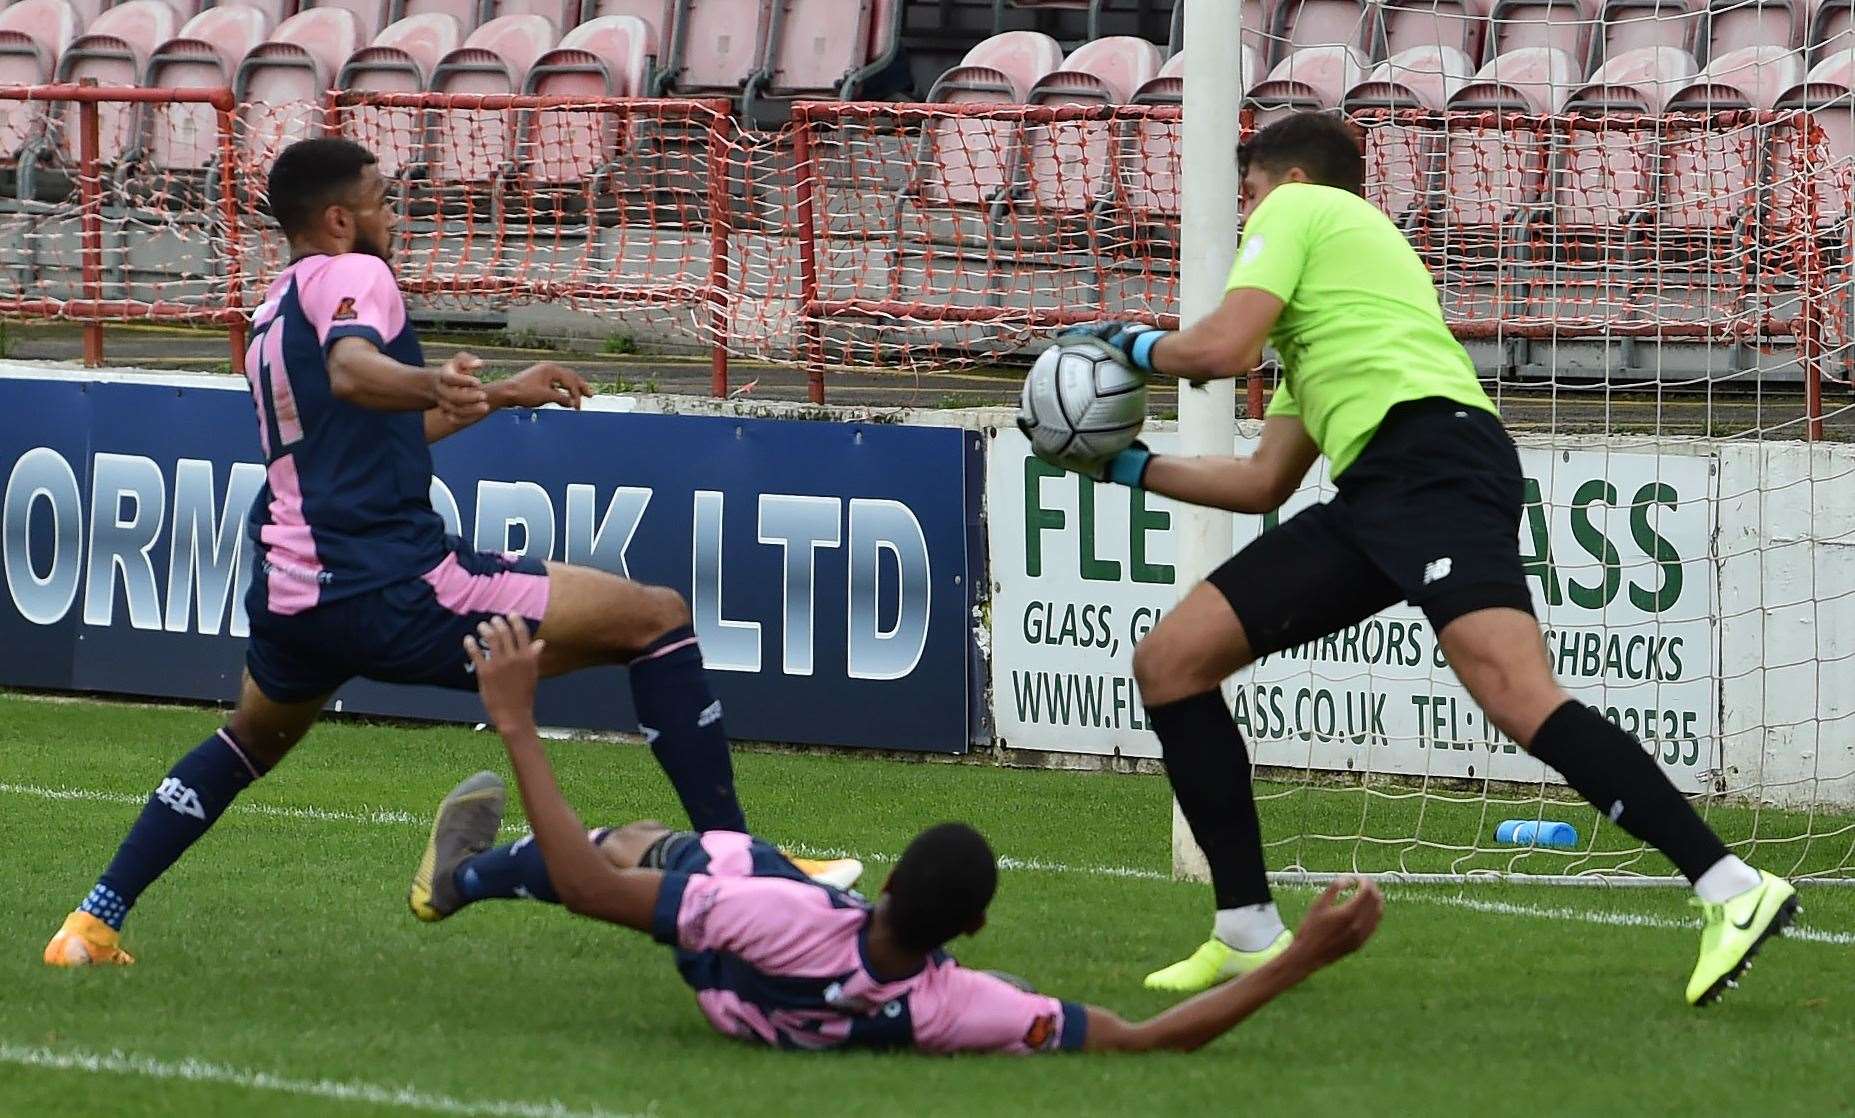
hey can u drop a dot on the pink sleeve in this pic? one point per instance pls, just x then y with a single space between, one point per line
775 924
354 295
976 1012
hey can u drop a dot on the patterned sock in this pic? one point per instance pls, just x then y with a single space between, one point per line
185 805
509 871
681 719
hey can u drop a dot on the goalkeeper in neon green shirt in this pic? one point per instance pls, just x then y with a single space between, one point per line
1428 512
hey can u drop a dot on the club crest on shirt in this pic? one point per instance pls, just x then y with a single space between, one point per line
1040 1032
345 312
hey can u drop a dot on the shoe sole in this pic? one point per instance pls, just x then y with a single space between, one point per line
1780 920
419 898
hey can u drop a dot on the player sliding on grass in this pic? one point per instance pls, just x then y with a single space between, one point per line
781 959
1428 512
356 574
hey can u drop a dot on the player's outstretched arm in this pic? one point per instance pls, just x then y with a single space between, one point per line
361 375
507 666
1332 929
536 386
1258 483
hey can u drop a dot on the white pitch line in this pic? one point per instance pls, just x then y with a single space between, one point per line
193 1070
385 817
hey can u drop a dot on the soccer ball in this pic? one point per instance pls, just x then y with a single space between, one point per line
1082 401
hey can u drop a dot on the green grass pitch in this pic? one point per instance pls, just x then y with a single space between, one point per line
281 974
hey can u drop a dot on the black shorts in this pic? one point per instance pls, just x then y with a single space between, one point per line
1429 513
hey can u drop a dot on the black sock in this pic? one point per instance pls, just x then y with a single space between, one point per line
1610 768
681 719
1210 773
508 871
192 797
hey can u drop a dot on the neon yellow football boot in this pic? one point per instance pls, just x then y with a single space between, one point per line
1735 931
86 941
466 825
1213 963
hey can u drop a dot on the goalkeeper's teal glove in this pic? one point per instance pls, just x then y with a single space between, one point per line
1125 468
1133 339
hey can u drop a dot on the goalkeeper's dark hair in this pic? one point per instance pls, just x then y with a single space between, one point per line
311 174
941 886
1322 144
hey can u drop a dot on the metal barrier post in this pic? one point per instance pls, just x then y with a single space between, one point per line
234 239
808 250
722 320
90 195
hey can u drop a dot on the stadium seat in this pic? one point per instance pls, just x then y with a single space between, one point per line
563 14
659 18
204 55
1832 28
818 47
280 84
1748 78
1494 178
1403 24
603 57
1003 69
33 34
1297 24
467 13
967 160
1150 148
372 15
1104 72
1168 86
1728 25
474 145
1402 155
114 50
721 45
1828 93
1070 162
1565 24
1315 78
400 60
1710 174
1625 25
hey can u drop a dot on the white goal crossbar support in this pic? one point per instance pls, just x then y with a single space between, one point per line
1207 243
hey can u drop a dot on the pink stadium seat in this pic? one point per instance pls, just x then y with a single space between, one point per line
33 34
1319 23
1637 81
205 55
818 47
1710 175
1565 24
967 160
1607 178
1828 92
1258 18
1404 24
114 51
1731 24
400 60
659 18
1168 86
1315 78
723 44
281 83
467 13
1403 155
473 145
1633 24
1072 162
1491 177
1832 27
1003 68
1748 78
373 15
604 57
563 14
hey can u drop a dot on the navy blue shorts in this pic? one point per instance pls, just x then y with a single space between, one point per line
685 852
407 632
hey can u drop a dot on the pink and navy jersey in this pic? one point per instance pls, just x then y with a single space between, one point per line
346 507
780 960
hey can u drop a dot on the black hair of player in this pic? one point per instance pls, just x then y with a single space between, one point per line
941 886
1322 144
311 174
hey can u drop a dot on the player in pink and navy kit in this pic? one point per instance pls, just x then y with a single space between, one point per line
776 958
356 576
